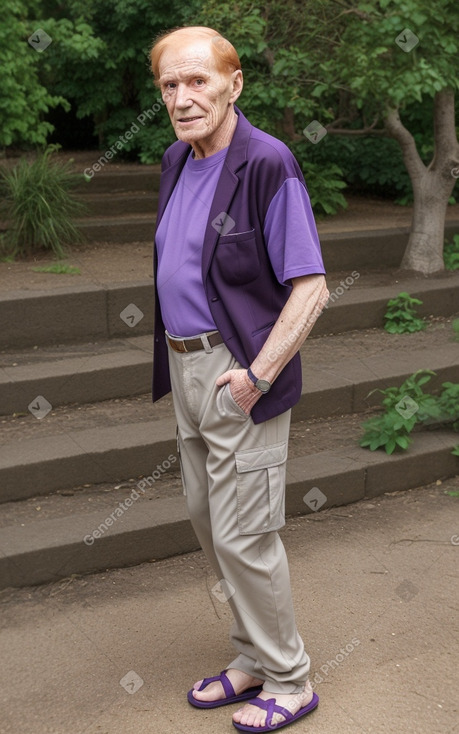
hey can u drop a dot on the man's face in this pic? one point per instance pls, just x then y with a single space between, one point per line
198 97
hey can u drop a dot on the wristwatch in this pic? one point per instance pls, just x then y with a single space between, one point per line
263 385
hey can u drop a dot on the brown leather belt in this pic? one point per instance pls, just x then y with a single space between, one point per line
193 345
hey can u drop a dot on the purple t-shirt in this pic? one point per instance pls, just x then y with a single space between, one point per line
179 240
289 231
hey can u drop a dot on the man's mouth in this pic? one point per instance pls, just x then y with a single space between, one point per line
188 119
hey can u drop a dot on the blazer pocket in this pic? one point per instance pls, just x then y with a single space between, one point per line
236 257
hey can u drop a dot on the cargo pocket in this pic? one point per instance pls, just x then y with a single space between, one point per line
177 437
261 488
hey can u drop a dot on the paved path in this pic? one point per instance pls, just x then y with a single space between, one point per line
375 579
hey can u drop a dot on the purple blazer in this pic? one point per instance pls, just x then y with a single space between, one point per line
244 295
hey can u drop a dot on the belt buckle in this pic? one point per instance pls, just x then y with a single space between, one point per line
177 345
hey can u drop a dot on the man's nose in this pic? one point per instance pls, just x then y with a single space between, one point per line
182 96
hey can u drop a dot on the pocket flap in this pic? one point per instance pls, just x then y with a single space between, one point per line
261 458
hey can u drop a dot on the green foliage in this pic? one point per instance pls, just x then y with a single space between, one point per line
448 403
324 181
372 165
99 61
387 431
455 452
407 406
334 62
401 315
24 99
325 185
456 329
451 254
59 268
38 206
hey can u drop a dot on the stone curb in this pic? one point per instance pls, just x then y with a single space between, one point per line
87 312
328 389
49 550
111 453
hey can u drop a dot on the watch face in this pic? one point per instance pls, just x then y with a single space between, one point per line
263 385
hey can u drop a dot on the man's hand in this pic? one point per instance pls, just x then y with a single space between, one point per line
242 388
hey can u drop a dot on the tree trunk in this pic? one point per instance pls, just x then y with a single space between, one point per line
432 185
424 252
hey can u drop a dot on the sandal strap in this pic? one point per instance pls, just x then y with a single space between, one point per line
271 708
224 680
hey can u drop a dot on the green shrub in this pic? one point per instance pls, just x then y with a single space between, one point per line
407 406
401 315
38 207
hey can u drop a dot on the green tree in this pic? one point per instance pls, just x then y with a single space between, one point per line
99 62
24 100
357 66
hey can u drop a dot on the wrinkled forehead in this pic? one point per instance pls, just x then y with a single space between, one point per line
185 59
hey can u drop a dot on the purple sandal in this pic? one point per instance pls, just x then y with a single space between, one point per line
271 708
230 695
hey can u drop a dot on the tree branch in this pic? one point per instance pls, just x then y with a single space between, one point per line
362 131
396 129
367 130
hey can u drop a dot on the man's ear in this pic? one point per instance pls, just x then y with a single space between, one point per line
237 83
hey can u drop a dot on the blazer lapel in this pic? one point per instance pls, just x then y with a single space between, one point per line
226 189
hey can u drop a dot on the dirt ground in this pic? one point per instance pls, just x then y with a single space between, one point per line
379 573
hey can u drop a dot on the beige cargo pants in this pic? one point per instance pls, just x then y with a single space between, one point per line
233 474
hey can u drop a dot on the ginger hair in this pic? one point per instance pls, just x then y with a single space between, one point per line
225 55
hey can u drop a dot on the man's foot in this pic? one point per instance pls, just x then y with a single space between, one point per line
214 691
250 715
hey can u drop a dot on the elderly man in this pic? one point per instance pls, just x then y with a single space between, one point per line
239 283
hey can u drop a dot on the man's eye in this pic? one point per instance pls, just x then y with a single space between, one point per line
199 82
169 85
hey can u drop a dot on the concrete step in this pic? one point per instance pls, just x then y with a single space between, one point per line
44 448
143 527
125 178
376 248
94 312
122 204
118 368
128 228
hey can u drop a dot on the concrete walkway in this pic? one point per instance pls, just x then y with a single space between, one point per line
375 594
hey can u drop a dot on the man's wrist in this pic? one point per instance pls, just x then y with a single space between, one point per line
262 385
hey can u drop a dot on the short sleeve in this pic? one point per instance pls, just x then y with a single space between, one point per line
291 234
